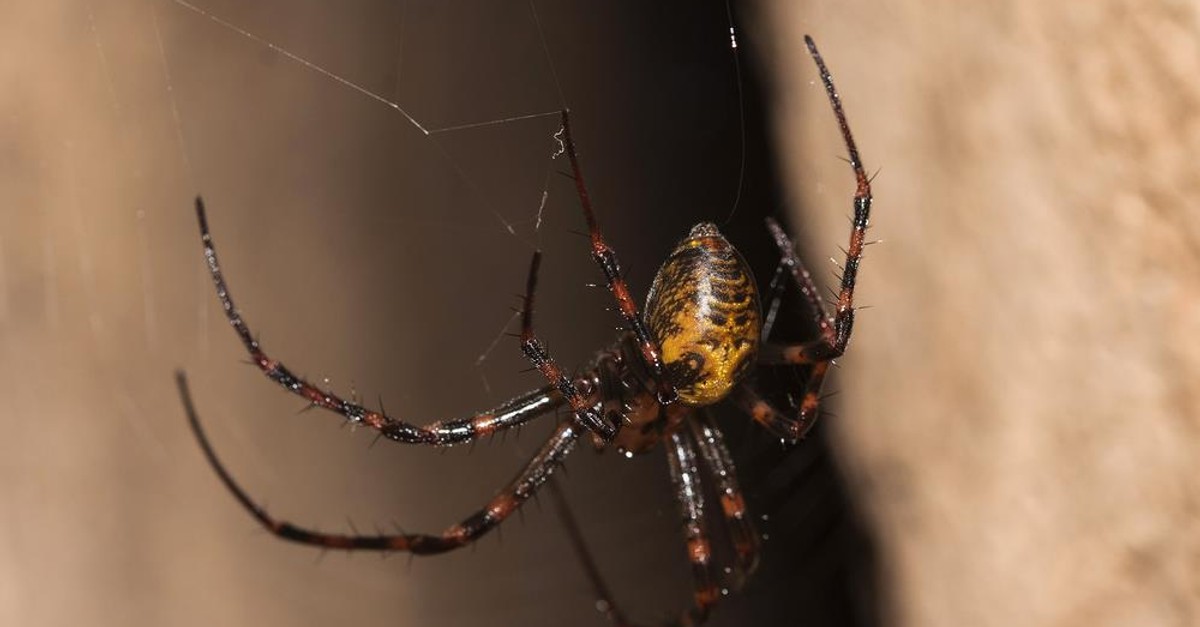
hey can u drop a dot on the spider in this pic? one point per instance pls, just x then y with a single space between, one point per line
697 344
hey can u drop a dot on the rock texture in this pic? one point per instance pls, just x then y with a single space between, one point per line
1020 407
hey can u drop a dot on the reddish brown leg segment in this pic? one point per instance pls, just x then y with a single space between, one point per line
835 333
843 319
741 529
681 460
470 529
606 258
789 428
802 279
685 477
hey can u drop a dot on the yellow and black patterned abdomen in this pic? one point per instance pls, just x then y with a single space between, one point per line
703 310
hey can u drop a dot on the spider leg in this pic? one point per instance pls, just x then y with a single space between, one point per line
513 413
523 486
606 258
835 331
585 412
800 354
772 419
802 278
685 476
775 291
716 456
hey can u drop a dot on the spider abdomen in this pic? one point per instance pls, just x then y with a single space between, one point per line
703 310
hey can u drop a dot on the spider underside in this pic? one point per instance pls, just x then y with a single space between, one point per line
697 345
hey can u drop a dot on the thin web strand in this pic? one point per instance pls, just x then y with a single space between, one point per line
515 118
149 318
302 61
201 303
737 76
166 68
400 47
104 67
507 225
537 21
487 352
4 311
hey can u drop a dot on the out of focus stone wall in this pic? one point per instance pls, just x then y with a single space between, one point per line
1022 404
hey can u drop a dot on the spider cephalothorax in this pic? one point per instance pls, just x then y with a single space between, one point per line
696 345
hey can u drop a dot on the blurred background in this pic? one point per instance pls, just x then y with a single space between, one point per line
1015 438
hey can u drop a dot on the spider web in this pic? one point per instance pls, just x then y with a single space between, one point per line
509 200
